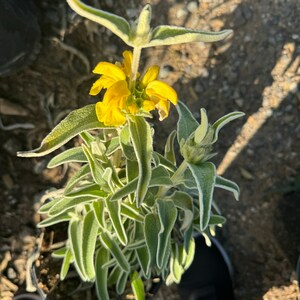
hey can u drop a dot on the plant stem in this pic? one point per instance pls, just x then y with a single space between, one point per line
134 66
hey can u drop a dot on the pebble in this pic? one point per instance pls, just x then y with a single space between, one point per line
165 71
11 273
132 12
181 13
192 6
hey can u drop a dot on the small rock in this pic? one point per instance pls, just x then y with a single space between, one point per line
239 102
181 13
11 273
165 71
192 7
132 12
295 36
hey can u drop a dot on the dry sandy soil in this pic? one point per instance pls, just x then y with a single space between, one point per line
256 70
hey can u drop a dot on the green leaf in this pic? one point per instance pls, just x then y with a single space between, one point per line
190 254
66 264
131 212
171 35
77 121
95 167
205 176
142 142
74 154
201 131
110 244
60 253
67 203
75 238
228 185
87 191
121 283
169 148
118 25
114 211
151 230
112 146
137 286
159 177
63 217
102 257
98 207
164 162
167 213
89 237
87 137
76 178
223 121
47 206
187 124
125 143
184 202
216 220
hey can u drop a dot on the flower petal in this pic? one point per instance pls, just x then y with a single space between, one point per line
150 75
163 109
116 93
160 90
127 62
148 105
110 70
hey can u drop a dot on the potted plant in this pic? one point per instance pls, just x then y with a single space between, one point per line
132 212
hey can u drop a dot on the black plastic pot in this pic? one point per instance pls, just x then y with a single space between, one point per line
210 275
28 296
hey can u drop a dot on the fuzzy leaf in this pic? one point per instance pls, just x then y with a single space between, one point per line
87 191
74 154
228 185
89 237
169 148
170 35
223 121
110 244
48 205
151 231
98 207
205 176
102 258
118 25
76 178
216 220
132 213
142 142
62 217
77 121
164 162
66 264
187 124
121 283
125 143
75 238
201 131
167 213
137 286
114 210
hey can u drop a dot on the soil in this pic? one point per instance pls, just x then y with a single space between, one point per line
256 70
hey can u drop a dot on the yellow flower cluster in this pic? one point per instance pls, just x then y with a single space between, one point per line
120 99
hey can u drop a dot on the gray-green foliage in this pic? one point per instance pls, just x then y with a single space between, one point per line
134 218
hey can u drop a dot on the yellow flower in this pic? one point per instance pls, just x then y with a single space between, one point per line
147 93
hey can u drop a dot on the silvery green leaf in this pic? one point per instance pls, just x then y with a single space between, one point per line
76 122
216 220
189 180
170 35
114 275
159 177
121 283
62 217
167 213
47 206
169 148
201 131
125 143
176 266
71 155
68 203
60 253
98 207
112 146
110 244
190 253
164 162
95 167
187 124
205 176
151 230
223 121
92 190
75 238
102 257
184 202
66 264
131 212
118 25
142 142
89 237
137 286
228 185
76 178
87 137
114 211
